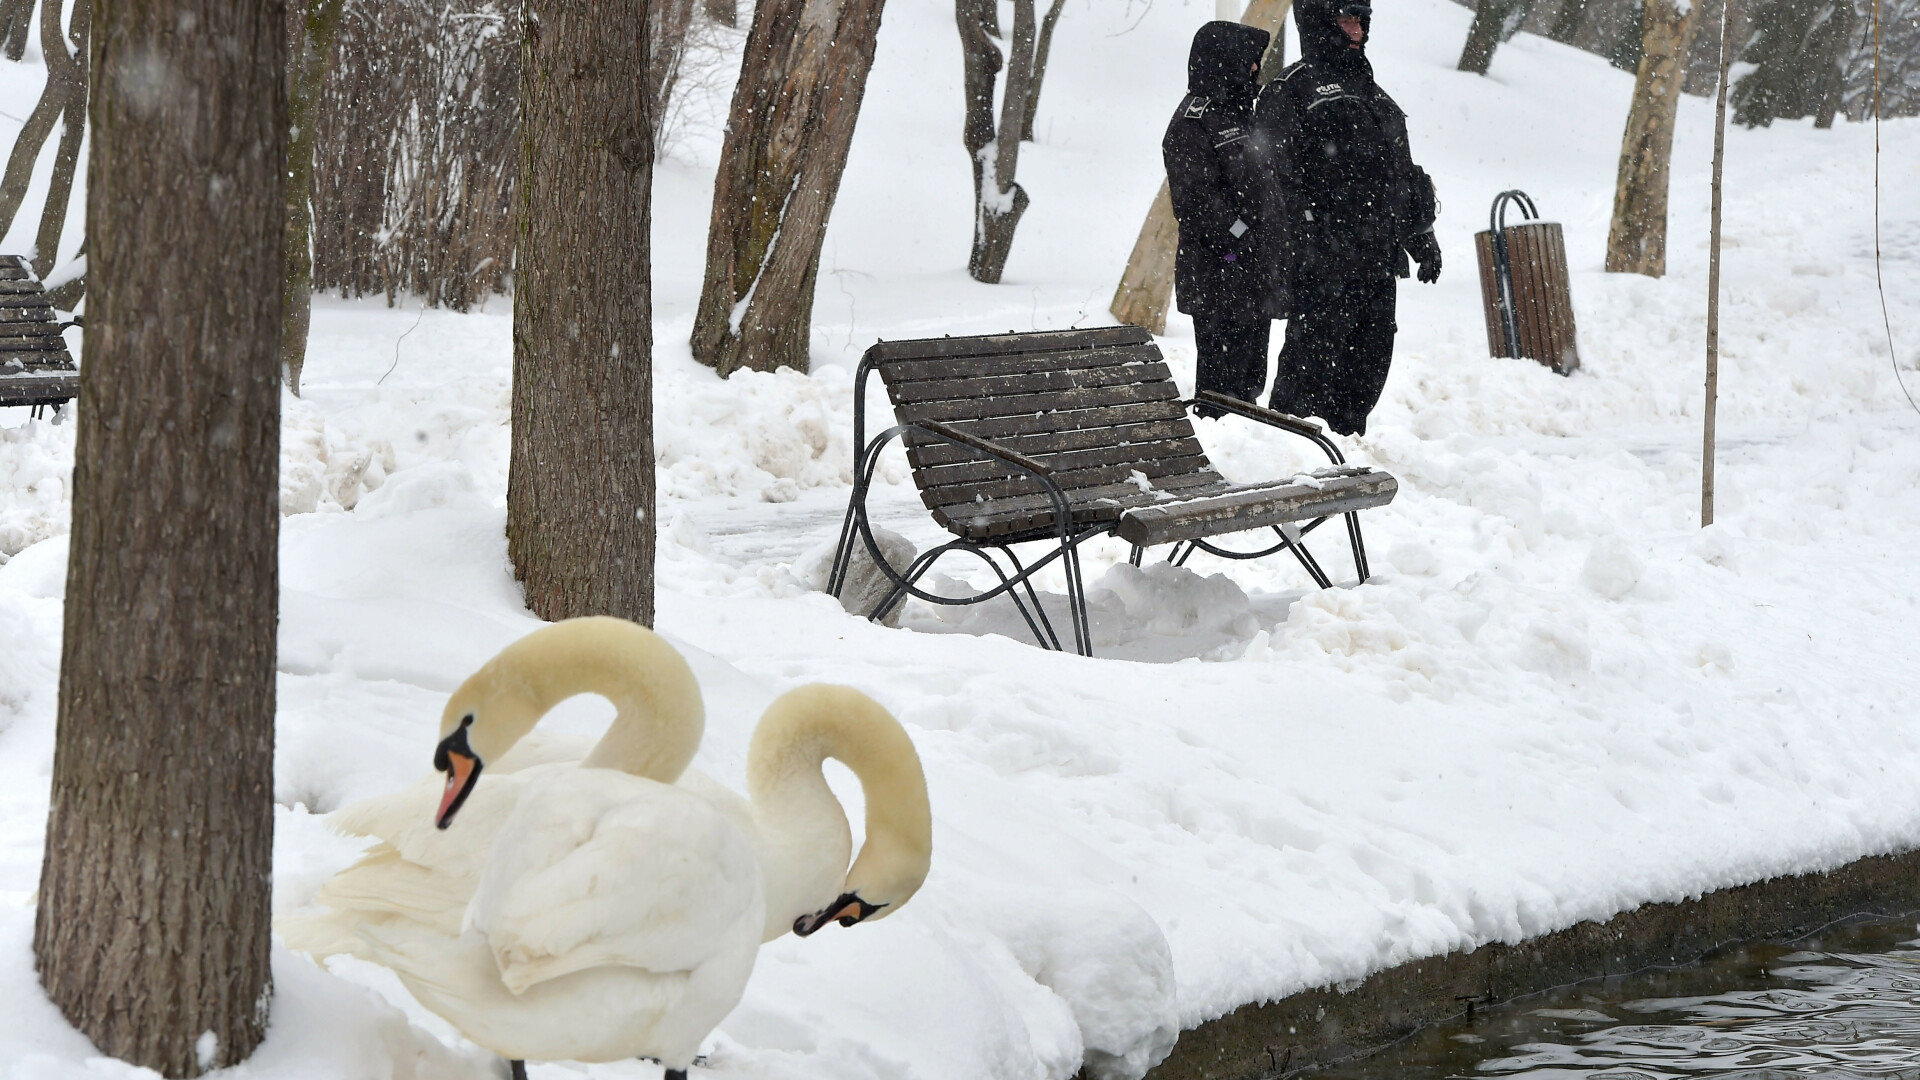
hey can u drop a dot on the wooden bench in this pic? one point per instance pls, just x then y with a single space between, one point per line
1061 436
35 367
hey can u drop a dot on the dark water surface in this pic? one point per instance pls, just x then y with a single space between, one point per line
1845 1003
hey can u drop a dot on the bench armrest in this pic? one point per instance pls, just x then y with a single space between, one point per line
985 446
1248 410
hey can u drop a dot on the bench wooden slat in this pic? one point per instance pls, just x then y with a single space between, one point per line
29 329
14 273
975 468
1071 482
21 288
1090 506
1255 506
42 313
933 455
1088 419
1098 400
39 389
33 345
968 367
979 387
998 344
30 300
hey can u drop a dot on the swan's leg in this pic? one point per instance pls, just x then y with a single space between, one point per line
519 1069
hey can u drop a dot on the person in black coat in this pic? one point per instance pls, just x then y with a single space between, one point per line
1221 276
1352 207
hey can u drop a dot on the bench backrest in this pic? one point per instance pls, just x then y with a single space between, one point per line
1095 406
29 330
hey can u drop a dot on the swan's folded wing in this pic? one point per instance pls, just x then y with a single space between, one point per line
600 868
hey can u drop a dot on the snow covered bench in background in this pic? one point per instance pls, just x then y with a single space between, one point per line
35 367
1060 436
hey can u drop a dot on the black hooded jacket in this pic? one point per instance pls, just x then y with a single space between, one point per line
1336 147
1217 189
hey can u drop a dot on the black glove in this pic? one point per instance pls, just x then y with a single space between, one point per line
1425 250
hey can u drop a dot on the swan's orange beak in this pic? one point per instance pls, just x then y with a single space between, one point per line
462 771
455 758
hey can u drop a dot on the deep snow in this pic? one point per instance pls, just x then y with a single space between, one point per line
1557 699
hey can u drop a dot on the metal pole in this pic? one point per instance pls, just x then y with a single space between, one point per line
1713 271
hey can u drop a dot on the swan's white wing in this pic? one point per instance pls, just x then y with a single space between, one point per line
596 867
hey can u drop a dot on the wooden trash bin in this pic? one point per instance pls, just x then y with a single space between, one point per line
1523 287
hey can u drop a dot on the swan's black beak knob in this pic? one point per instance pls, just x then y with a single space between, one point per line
455 758
846 910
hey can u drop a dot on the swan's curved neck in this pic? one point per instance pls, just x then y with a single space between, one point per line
659 716
796 736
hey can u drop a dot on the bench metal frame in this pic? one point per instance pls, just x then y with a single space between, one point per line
1065 536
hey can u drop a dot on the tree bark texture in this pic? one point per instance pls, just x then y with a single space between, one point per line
313 26
801 84
153 922
580 496
1146 285
16 22
1494 21
1637 240
63 100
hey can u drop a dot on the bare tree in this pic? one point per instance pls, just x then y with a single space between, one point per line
724 12
1146 285
312 26
994 149
152 935
1899 63
1637 240
1494 21
801 84
16 22
1799 51
580 496
64 101
1042 50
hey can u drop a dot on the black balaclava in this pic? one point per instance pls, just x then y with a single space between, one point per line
1222 63
1321 39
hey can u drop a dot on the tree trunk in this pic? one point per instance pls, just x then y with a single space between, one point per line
307 56
1637 241
1146 286
1494 21
801 84
152 934
16 22
1041 50
580 497
67 74
724 12
998 200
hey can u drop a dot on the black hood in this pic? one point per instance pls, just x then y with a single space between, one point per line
1223 61
1321 39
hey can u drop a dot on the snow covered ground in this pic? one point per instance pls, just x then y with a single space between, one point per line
1556 700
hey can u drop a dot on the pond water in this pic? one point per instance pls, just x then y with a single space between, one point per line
1844 1003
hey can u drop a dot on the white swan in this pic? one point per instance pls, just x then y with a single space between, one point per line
587 911
412 899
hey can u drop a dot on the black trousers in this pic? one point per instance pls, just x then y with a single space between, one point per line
1233 355
1339 346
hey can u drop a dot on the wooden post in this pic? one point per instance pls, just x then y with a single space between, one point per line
1713 272
1146 286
